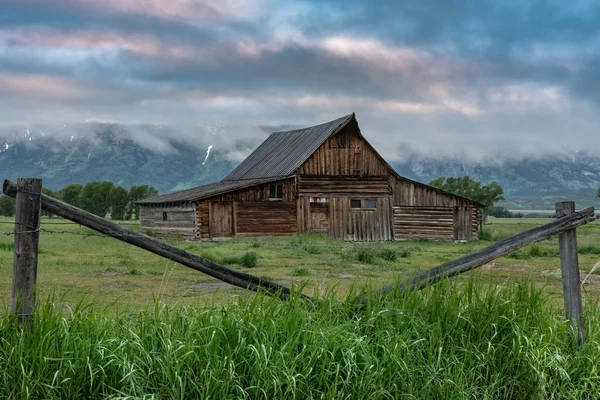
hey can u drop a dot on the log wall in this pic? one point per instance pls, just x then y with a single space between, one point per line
345 154
324 186
180 219
259 193
475 223
266 218
424 223
202 220
407 193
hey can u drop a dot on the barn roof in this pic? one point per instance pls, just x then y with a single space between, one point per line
277 158
283 152
202 192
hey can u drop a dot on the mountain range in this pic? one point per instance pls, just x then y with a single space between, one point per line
101 151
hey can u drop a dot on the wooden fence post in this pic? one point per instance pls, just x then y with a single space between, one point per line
27 233
569 265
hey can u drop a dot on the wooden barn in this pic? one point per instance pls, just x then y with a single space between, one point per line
324 179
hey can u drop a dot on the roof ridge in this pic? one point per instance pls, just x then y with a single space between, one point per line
282 153
345 117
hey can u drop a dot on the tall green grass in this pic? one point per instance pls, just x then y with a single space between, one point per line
448 342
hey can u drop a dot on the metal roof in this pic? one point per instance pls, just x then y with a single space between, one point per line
202 192
278 157
283 152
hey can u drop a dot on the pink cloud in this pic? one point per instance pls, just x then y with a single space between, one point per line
39 85
98 41
189 10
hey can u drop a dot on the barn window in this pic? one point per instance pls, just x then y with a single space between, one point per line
276 191
165 216
370 204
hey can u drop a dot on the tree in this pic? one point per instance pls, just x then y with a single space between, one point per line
7 206
71 194
95 197
468 187
118 199
50 193
137 193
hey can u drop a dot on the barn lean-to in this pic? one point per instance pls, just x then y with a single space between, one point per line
323 179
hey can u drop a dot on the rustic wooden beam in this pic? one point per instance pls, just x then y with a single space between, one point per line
569 265
484 256
27 233
145 242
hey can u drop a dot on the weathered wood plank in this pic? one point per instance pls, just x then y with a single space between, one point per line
569 265
27 233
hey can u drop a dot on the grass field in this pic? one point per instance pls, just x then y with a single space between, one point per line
108 271
114 321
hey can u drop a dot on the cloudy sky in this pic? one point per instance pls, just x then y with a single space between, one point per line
447 77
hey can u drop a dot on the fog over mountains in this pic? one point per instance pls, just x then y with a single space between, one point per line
171 159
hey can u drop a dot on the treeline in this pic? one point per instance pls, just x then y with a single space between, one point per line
99 198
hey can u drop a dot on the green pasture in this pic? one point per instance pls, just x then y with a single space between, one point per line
107 271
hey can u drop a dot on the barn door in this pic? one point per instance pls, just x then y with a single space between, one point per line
462 223
221 219
319 217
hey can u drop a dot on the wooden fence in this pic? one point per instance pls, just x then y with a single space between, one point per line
30 201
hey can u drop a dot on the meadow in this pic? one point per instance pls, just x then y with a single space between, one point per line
114 321
73 262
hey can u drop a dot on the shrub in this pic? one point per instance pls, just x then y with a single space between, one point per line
365 255
485 234
589 250
535 251
404 253
7 246
519 255
388 255
249 259
312 249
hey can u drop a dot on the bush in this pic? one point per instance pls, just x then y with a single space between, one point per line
404 253
485 234
535 251
388 255
7 246
519 255
249 259
589 250
366 256
312 249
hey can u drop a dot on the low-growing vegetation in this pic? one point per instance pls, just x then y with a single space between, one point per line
117 322
448 342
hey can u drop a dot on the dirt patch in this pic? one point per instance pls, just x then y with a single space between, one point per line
123 285
350 276
487 267
583 276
